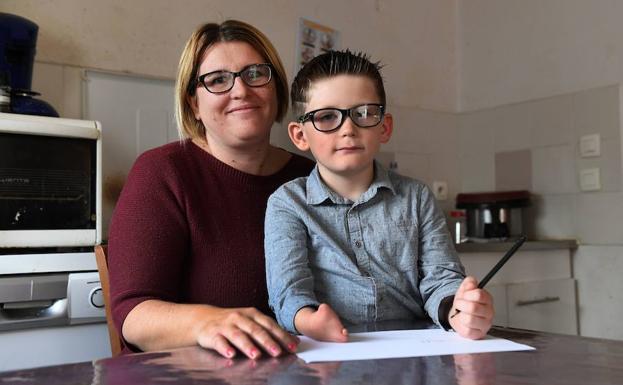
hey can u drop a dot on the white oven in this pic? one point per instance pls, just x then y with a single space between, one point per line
51 307
50 182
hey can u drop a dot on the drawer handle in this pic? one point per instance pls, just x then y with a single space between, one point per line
538 300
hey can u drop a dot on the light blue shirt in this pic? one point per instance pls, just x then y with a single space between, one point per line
386 256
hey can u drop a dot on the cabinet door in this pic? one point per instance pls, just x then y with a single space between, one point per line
548 306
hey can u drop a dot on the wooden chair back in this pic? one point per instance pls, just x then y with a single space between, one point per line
102 268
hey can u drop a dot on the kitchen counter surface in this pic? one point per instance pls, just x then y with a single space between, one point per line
477 247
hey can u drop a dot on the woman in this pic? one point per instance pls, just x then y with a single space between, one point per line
186 258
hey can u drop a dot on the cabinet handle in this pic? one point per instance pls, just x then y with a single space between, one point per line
538 300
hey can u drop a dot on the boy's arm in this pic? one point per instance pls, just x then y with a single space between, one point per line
288 276
321 324
440 269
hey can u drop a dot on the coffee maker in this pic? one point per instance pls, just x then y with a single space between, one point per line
494 216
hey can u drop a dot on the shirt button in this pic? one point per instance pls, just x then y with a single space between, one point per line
357 244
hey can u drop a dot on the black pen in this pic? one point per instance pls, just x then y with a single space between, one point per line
498 265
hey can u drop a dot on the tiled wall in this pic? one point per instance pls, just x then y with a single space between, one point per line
535 146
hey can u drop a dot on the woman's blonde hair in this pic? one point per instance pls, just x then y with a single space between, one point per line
203 38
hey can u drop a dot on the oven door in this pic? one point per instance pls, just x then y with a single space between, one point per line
49 182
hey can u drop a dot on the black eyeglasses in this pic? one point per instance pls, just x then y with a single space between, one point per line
331 119
254 75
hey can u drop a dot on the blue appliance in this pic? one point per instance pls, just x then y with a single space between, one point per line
18 40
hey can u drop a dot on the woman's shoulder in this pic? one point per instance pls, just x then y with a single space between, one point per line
298 165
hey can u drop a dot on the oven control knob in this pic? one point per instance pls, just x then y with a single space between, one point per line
97 298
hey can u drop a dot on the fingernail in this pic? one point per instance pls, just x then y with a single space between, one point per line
229 353
292 347
253 353
274 350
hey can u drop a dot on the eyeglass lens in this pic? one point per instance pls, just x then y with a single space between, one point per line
329 119
255 75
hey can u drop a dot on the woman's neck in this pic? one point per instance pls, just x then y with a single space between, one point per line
262 159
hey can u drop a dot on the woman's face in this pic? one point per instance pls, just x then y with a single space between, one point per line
243 115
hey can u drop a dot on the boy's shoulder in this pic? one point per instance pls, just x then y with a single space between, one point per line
403 182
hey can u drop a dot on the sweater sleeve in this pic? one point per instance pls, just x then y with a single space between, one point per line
148 238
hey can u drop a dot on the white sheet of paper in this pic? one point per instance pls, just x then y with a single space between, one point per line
401 343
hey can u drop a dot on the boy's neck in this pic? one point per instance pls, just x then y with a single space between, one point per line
350 185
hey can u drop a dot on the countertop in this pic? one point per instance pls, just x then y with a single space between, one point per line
558 359
477 247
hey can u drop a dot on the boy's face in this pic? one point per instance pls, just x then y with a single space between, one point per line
348 151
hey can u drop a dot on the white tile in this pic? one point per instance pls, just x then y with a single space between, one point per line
552 121
554 216
597 270
444 134
476 132
553 170
445 167
609 164
599 218
477 172
411 127
515 127
414 166
596 111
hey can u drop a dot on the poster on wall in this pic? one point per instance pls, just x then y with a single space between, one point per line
312 40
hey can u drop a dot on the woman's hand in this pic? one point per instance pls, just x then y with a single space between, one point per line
154 325
476 310
246 330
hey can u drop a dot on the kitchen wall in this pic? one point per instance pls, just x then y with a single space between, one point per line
535 75
479 90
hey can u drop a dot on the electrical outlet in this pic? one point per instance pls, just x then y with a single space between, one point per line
590 146
590 180
440 190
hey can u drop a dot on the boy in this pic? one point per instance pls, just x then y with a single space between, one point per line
353 242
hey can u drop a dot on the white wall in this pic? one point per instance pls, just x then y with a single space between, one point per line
415 39
513 51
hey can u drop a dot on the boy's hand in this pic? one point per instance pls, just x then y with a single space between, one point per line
476 310
322 324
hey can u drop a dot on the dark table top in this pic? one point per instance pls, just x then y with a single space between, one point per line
558 359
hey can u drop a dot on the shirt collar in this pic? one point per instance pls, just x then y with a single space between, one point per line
318 191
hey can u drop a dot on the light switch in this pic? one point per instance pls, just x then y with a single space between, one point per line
590 146
590 180
440 190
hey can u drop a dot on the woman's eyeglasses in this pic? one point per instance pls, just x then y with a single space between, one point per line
331 119
254 75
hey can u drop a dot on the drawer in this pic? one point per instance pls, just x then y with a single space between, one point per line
548 306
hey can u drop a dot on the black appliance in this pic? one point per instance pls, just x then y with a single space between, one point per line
494 215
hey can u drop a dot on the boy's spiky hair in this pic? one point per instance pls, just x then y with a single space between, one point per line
333 63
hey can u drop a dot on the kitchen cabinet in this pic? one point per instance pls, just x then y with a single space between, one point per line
535 290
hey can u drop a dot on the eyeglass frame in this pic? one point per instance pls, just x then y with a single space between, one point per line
200 78
309 116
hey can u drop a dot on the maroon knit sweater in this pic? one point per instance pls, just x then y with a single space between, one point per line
189 229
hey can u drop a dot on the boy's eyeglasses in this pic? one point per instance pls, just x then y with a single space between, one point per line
331 119
254 75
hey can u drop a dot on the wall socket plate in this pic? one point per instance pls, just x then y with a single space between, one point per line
590 179
440 190
590 146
